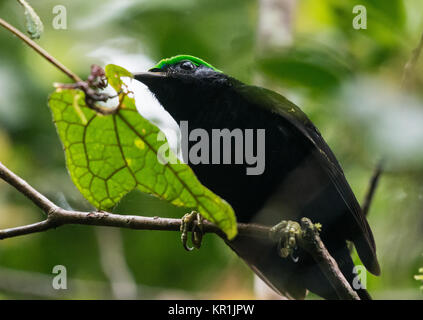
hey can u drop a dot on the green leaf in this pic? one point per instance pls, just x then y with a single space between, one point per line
114 74
34 25
110 155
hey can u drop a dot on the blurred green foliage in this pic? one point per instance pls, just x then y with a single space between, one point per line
348 82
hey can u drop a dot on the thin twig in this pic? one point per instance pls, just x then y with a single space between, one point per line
40 51
89 87
372 188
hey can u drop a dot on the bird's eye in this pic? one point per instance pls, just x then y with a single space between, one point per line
187 65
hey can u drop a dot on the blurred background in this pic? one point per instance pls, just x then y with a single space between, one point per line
349 82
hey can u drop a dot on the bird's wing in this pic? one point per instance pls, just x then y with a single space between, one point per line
276 103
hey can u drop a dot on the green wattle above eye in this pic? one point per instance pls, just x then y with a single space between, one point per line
179 58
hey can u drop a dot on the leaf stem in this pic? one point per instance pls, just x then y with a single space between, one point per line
40 50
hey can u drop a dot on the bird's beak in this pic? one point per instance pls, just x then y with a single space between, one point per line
150 76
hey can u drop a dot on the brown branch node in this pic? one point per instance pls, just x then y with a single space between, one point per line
92 87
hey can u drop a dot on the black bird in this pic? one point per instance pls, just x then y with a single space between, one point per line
302 177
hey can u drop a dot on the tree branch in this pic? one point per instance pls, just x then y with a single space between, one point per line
311 242
57 216
374 180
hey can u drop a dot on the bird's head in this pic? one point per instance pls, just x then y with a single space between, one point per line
185 68
183 83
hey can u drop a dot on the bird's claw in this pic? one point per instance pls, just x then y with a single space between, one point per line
197 230
286 233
